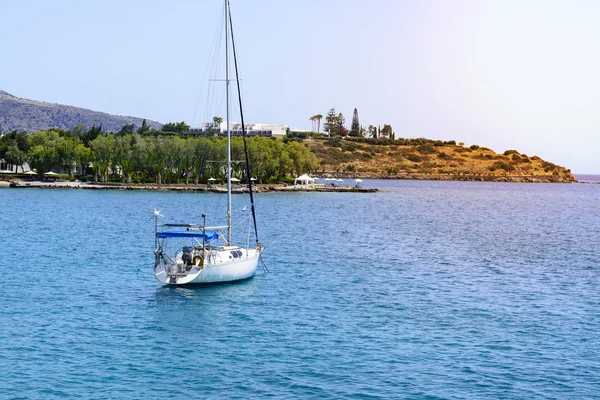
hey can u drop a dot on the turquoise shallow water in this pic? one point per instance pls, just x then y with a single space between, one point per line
423 290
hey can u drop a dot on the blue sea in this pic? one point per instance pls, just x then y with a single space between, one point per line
436 290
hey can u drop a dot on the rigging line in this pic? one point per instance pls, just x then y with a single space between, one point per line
248 170
264 265
212 100
214 59
214 63
214 49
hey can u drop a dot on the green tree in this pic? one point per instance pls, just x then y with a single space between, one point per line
79 131
104 150
331 122
14 147
48 138
144 129
92 134
341 125
168 127
124 156
335 124
179 127
156 157
127 129
182 127
386 130
139 152
67 154
355 127
42 158
84 157
302 159
15 156
372 131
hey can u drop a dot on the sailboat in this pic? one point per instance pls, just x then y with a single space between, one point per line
204 254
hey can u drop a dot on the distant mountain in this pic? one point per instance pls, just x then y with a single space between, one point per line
31 116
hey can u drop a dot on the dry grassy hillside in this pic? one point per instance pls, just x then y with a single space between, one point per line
430 159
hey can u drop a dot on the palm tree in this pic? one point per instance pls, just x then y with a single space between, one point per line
313 119
217 121
318 117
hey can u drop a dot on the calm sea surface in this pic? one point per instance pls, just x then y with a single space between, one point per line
445 290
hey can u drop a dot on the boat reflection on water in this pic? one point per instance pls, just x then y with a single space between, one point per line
198 293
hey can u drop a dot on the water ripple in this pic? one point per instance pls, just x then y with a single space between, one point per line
425 290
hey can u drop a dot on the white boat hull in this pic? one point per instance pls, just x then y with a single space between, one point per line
219 268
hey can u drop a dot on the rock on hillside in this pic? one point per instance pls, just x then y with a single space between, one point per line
30 116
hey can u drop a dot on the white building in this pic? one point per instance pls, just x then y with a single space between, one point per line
267 130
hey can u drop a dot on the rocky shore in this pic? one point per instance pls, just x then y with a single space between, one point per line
456 177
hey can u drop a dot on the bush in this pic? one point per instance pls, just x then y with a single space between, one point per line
509 152
504 166
414 158
426 149
463 150
349 146
335 142
474 147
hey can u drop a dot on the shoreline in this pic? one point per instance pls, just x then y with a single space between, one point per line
279 187
259 188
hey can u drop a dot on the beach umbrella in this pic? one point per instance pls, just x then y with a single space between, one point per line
235 180
252 179
211 179
5 171
50 173
30 172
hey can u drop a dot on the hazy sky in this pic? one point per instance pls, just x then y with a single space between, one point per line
504 74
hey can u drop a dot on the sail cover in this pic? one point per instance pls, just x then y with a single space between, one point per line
210 235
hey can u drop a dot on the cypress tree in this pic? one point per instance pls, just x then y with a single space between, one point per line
355 127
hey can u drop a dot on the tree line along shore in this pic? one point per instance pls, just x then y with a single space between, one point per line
174 157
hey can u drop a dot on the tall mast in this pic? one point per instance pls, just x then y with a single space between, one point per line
228 131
